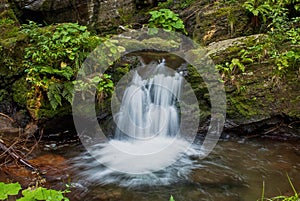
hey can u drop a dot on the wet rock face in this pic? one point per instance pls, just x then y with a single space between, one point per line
4 5
210 21
51 11
98 13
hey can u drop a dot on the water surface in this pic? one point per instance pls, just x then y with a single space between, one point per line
235 170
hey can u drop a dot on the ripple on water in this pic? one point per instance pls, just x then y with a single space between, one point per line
233 171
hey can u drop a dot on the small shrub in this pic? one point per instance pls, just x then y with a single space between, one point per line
31 194
167 20
9 189
52 60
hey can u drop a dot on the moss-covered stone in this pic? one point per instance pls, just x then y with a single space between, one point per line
209 22
261 98
12 43
4 95
9 25
20 90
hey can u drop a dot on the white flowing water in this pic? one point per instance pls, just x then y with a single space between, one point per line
147 147
149 107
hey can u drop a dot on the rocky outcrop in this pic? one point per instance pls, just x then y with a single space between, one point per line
4 5
255 94
210 21
102 15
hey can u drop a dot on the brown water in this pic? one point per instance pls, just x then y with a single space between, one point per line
233 171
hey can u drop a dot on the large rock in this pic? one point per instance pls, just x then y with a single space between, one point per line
210 21
256 102
103 15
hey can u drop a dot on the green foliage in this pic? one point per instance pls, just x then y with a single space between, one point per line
9 189
228 70
176 5
165 4
185 3
258 8
108 52
274 10
8 24
43 194
31 194
101 83
293 35
165 19
286 60
281 44
229 2
284 3
52 61
104 83
171 198
285 40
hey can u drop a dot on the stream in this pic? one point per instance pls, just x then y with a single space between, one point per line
235 170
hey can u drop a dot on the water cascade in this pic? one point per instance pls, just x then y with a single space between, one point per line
147 147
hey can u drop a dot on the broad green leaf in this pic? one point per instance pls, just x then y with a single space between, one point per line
9 189
96 79
255 12
290 54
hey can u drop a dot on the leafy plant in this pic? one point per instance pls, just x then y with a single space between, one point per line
185 3
31 194
229 69
101 83
165 19
286 60
294 197
284 34
9 189
52 60
257 8
171 198
294 3
281 44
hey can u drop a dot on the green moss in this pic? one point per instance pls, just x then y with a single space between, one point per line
228 54
9 25
20 90
4 95
47 111
199 89
241 106
8 14
161 44
225 11
125 16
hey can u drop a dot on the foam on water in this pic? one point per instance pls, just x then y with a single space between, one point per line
147 147
136 169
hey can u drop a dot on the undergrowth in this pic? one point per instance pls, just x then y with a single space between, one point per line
31 193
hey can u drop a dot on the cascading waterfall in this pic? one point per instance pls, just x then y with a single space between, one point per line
149 107
147 147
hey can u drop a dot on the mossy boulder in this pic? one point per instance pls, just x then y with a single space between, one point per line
104 16
20 90
256 94
210 21
12 44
